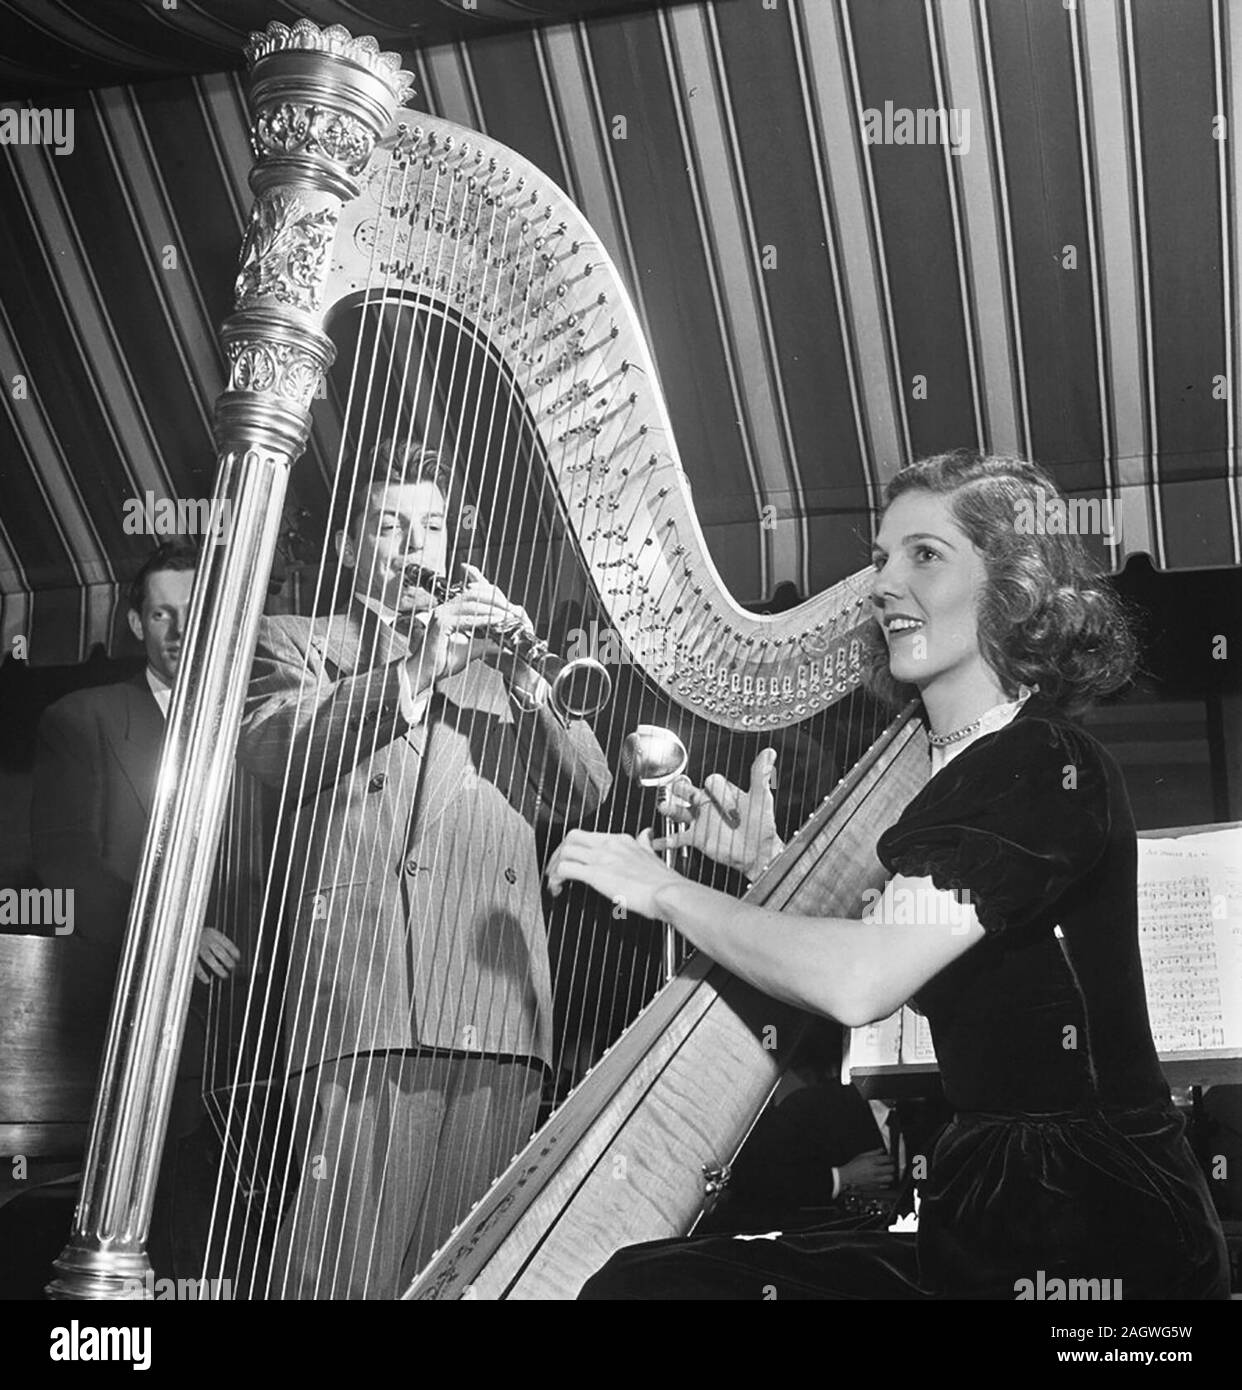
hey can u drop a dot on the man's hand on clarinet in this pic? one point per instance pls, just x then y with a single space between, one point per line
463 628
734 827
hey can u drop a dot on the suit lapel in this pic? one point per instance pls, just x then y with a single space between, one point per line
142 739
357 640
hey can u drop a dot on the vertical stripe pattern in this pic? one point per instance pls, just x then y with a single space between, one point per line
856 231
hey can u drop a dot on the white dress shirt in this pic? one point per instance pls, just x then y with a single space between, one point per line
161 690
412 709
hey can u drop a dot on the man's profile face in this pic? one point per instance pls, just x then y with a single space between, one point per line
160 627
403 524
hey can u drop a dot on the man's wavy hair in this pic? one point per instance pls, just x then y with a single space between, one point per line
1047 615
398 459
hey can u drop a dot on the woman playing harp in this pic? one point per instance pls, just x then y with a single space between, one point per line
418 1010
1011 918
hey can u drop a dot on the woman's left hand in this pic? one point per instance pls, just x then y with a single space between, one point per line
627 871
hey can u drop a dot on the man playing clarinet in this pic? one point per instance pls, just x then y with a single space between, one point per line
416 753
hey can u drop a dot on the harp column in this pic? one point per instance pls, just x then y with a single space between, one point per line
320 102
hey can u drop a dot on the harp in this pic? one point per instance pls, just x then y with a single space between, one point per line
360 208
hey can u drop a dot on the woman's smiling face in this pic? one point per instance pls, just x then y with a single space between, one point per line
928 578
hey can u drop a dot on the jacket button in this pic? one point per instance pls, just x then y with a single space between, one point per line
510 875
411 866
377 782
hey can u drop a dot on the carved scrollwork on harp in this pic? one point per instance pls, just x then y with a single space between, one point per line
285 253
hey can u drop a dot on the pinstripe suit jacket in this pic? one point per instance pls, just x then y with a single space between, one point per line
414 893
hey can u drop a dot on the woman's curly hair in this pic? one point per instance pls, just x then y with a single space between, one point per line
1047 615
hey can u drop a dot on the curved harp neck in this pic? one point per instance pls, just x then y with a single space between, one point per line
451 219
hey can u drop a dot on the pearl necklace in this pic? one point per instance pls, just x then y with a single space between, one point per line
947 740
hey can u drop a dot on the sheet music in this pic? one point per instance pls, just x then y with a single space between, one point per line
1190 938
876 1045
916 1038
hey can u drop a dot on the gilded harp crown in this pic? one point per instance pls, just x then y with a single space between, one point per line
333 42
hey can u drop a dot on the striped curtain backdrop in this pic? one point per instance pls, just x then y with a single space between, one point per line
824 299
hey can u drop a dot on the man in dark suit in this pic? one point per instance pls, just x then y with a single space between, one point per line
96 761
418 1013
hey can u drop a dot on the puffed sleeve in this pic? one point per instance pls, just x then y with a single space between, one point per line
1009 824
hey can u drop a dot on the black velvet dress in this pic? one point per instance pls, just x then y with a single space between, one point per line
1065 1155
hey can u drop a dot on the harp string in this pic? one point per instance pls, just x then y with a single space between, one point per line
620 718
535 499
643 967
443 936
295 1064
277 1095
363 1046
436 376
